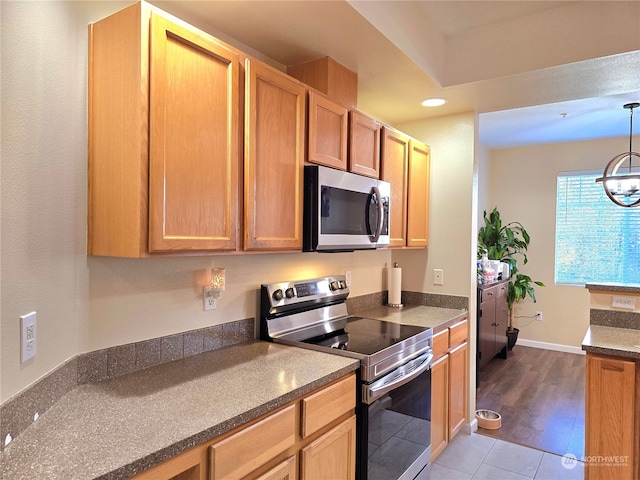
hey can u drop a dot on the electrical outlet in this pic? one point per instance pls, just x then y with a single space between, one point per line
209 300
28 336
438 276
539 316
624 302
347 276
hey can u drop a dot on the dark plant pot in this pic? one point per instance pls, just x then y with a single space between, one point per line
512 338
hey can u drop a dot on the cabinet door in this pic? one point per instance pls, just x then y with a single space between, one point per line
502 318
193 141
364 145
332 455
394 169
486 327
610 417
328 126
274 156
285 470
418 195
458 385
439 406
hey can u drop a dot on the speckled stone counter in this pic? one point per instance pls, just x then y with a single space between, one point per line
613 288
117 428
436 318
621 342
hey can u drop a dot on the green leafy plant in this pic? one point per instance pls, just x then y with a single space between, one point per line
508 243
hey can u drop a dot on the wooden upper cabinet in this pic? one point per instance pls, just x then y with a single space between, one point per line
193 142
364 145
328 126
394 169
163 137
274 159
418 195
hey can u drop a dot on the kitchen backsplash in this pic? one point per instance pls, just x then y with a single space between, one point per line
17 413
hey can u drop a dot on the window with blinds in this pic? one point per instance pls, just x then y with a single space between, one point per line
597 241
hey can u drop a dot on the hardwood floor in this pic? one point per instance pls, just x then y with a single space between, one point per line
540 396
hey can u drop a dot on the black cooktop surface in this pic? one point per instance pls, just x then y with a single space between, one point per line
367 336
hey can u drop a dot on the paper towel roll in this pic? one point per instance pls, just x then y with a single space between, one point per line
395 286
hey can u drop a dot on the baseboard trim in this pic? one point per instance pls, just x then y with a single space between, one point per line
550 346
470 427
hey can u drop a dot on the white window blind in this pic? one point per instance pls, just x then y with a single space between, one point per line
596 240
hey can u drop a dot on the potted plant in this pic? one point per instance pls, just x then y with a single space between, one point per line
508 243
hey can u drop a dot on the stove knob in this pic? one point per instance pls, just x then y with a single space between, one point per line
334 285
343 284
290 293
278 295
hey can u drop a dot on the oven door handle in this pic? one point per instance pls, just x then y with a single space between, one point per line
397 377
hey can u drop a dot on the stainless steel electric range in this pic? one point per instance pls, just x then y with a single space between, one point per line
394 409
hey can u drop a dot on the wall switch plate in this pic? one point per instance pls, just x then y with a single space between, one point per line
209 299
438 276
28 336
347 277
624 301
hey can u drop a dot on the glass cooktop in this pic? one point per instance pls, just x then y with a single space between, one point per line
367 336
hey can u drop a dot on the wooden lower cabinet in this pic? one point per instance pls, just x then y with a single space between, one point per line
332 455
612 423
254 446
458 385
449 385
313 437
285 470
439 406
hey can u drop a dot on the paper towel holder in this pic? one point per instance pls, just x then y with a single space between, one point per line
393 305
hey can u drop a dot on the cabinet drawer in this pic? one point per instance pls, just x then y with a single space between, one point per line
322 408
240 454
440 343
458 333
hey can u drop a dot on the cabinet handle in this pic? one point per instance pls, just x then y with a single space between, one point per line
612 368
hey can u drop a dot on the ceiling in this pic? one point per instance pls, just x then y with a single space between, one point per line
534 71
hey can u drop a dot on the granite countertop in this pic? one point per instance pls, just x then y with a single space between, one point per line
120 427
613 288
605 340
437 318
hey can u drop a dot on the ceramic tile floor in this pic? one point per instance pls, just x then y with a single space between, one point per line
479 457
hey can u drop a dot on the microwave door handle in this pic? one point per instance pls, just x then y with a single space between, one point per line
378 196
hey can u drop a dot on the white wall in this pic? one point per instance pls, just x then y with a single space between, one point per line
523 187
450 211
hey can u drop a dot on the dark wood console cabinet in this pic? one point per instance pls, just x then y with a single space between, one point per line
493 316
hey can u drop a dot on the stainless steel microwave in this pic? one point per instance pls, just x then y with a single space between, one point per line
344 211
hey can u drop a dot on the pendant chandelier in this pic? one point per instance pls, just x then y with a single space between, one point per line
621 179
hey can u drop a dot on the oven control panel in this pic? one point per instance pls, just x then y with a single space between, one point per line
315 290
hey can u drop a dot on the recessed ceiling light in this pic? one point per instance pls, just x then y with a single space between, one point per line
434 102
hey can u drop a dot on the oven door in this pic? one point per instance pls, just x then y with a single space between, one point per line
399 427
344 211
